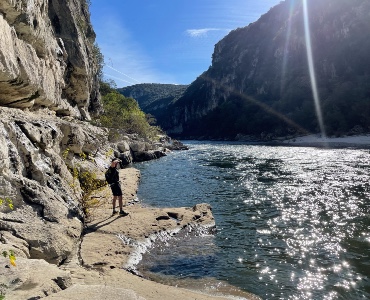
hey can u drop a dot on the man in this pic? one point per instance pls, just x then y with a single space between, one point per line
112 177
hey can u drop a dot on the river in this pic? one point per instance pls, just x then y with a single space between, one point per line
292 222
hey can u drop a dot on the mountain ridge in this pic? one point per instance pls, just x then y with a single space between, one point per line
154 98
259 82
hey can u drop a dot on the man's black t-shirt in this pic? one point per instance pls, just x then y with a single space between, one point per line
112 175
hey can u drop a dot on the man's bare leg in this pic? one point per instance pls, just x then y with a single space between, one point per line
121 212
120 203
114 202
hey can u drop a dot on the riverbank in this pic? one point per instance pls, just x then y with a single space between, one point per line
315 140
111 242
312 140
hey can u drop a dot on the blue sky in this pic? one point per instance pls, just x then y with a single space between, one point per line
166 41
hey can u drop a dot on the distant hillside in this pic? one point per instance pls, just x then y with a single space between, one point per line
259 82
154 98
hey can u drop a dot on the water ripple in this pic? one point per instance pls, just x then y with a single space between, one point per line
293 223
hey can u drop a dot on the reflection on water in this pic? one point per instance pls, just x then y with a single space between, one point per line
292 223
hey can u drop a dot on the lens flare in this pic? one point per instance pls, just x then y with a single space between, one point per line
286 47
312 69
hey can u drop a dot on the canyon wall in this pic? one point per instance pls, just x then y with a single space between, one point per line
47 57
48 91
259 83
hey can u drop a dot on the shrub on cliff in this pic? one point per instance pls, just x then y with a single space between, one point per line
124 113
8 254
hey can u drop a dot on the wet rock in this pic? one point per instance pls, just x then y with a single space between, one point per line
125 157
141 156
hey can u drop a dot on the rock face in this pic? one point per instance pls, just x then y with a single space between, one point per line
259 82
46 49
34 175
34 277
48 83
45 224
48 90
38 151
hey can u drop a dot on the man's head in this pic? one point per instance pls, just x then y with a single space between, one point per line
115 162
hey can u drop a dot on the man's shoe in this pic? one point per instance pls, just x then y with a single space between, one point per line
114 212
123 214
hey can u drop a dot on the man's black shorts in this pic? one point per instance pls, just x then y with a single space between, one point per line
116 189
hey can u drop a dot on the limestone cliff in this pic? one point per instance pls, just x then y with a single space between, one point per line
48 84
259 81
48 90
47 56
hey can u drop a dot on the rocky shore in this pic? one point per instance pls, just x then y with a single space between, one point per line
96 270
353 139
316 140
50 152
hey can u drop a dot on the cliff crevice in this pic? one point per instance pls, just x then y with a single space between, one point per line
46 49
48 85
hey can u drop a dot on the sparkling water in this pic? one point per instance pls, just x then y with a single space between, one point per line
292 222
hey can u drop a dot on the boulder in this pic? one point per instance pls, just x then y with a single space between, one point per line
141 156
123 146
137 146
82 138
149 146
126 158
32 279
175 145
159 154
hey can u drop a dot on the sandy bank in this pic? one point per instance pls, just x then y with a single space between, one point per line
361 141
109 244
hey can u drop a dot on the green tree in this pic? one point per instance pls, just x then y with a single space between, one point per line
99 60
123 113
